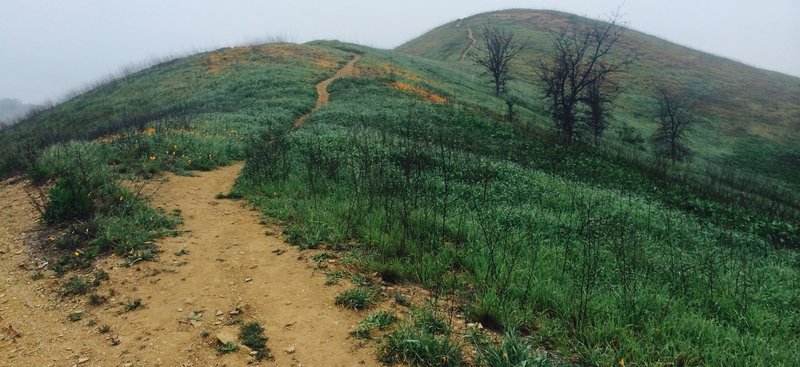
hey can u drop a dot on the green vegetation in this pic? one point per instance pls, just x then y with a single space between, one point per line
357 299
596 253
229 347
252 336
513 351
418 344
380 320
133 305
747 116
75 316
75 286
600 252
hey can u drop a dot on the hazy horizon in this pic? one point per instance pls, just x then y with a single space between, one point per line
58 47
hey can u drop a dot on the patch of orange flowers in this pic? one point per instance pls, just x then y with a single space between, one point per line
433 97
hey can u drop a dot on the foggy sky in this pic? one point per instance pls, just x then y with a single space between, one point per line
51 47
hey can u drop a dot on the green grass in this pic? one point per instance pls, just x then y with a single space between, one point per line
420 348
598 252
744 111
357 299
595 253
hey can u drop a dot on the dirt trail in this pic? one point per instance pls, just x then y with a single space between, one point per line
230 263
472 43
322 88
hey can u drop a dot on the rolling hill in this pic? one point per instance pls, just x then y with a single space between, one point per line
750 118
410 175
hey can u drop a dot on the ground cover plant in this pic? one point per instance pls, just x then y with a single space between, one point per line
589 252
599 253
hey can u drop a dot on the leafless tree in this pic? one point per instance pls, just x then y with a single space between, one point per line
584 59
497 51
670 139
598 98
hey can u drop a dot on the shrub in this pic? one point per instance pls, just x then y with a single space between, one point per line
252 335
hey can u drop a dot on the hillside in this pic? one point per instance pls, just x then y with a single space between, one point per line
11 110
390 172
750 118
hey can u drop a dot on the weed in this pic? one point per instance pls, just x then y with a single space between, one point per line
381 319
334 277
181 252
377 320
97 300
229 347
401 299
360 280
322 256
37 275
100 276
512 351
133 305
356 299
76 286
418 348
430 321
252 335
75 316
104 329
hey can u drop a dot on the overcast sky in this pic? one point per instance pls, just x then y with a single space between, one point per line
51 47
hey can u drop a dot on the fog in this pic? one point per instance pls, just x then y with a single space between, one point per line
51 47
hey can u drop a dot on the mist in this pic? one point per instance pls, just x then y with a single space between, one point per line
50 48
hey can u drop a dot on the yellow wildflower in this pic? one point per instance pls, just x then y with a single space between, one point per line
152 158
622 362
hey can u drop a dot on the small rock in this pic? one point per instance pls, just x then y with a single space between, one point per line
83 360
196 323
225 337
290 350
220 313
127 364
234 312
331 261
248 280
253 352
290 324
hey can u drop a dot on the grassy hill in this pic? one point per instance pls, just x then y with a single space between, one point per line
410 172
750 118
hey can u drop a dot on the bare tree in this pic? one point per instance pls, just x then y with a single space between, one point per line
498 49
598 98
582 64
674 121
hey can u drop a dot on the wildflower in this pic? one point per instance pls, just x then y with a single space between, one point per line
121 199
152 158
622 362
174 147
77 253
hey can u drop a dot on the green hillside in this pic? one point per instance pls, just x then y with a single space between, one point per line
750 118
593 254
